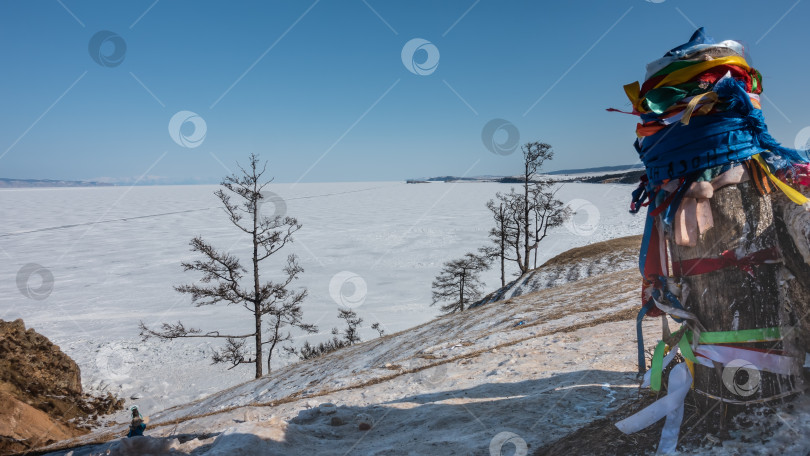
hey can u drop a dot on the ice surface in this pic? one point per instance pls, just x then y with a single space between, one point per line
115 256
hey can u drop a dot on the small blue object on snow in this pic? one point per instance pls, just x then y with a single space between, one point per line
520 323
136 431
138 425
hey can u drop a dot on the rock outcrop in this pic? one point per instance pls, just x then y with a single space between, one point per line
41 398
30 361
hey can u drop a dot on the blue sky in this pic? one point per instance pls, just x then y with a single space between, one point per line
319 89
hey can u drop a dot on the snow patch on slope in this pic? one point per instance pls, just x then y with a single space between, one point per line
578 264
554 276
448 386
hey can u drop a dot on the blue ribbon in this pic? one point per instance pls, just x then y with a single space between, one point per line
642 365
731 136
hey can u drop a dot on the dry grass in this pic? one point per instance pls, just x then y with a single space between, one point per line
599 249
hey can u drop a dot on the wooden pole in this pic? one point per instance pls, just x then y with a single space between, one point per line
730 299
792 224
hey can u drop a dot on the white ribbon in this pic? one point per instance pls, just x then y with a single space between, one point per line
764 361
680 381
669 406
667 359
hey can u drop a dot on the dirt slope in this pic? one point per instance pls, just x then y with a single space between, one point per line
41 398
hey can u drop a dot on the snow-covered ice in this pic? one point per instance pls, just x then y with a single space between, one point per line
115 257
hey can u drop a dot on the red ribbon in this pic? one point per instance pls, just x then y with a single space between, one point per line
665 204
634 113
727 259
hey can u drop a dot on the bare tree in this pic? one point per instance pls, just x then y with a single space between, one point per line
507 235
459 283
534 155
522 220
549 212
378 328
498 234
223 274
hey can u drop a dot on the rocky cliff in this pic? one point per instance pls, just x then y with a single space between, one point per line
41 398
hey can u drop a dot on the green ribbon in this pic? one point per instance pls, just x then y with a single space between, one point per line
707 337
675 66
657 366
660 99
686 349
739 337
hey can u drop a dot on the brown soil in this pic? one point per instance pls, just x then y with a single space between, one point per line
603 438
23 427
41 398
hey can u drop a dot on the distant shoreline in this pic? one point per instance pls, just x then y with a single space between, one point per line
48 183
604 174
625 176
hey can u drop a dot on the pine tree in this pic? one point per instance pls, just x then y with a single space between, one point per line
226 281
459 284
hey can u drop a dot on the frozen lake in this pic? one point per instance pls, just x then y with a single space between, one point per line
115 253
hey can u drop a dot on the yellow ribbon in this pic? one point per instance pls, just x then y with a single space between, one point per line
633 90
677 77
789 191
711 98
685 74
691 367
